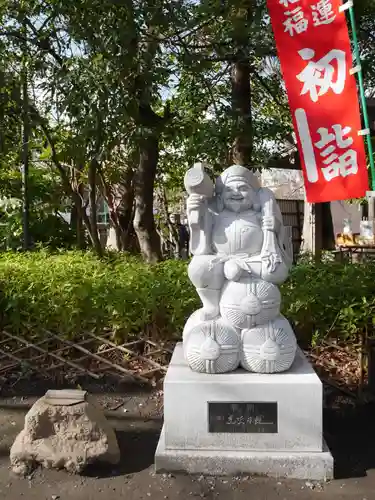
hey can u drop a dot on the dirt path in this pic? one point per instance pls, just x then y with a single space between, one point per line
350 434
144 485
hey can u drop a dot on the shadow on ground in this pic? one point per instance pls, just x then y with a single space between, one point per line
349 430
4 451
350 435
137 454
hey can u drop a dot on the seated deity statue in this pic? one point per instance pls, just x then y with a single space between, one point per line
237 239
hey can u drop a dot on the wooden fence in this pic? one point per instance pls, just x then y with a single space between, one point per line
293 213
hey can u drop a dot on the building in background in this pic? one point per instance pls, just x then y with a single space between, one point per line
288 186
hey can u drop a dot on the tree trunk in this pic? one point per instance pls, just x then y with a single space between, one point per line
241 105
151 126
123 237
94 233
241 87
144 179
70 189
173 239
81 211
25 159
80 229
328 237
131 243
120 201
318 231
108 194
76 222
125 212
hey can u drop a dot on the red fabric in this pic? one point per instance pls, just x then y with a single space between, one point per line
333 160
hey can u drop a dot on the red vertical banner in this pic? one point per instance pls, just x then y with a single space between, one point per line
314 49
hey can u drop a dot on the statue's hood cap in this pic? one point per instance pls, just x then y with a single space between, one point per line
237 172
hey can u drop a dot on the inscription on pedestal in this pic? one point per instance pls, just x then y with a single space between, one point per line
254 417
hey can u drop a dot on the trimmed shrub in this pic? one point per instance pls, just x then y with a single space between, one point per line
330 299
73 292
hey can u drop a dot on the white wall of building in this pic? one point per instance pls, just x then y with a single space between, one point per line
288 184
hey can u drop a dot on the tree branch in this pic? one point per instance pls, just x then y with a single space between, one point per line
44 45
270 92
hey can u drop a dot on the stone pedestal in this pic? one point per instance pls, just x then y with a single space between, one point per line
243 423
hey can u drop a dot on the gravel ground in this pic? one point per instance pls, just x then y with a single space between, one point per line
350 434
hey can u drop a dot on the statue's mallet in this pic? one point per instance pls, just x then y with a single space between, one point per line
197 181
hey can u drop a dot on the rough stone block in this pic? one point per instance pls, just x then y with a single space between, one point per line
64 429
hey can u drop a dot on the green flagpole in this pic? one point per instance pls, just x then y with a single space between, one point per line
362 95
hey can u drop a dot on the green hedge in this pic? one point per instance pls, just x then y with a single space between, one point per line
73 292
330 299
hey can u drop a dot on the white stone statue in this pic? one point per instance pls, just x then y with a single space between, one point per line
239 258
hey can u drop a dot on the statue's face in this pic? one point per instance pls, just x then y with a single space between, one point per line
237 195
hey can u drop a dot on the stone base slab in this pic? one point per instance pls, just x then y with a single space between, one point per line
297 393
296 465
200 440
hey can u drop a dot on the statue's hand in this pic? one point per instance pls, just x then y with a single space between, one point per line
195 204
232 271
271 261
270 223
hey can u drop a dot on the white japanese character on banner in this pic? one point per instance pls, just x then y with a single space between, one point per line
320 76
286 3
296 22
337 164
338 135
323 13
